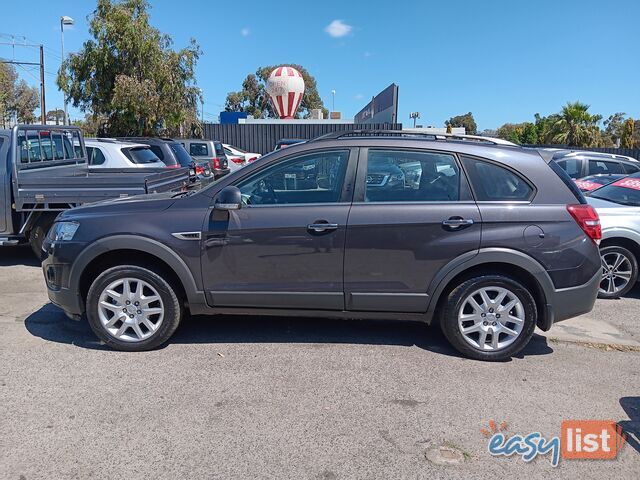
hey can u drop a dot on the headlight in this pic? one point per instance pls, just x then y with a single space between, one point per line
397 176
63 231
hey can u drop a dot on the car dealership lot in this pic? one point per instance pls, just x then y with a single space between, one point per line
289 398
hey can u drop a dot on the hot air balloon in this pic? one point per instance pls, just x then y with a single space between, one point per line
285 87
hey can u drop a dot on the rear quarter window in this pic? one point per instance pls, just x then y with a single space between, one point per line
494 183
198 149
631 168
568 181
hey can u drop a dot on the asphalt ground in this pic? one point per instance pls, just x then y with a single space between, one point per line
259 397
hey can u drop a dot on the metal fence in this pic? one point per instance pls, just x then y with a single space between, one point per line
629 152
262 137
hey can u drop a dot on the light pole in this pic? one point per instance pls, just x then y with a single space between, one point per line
414 116
333 100
64 20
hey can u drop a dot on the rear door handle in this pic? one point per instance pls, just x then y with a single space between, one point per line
457 222
322 227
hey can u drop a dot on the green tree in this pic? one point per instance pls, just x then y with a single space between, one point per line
253 98
129 74
574 126
529 134
626 134
26 100
613 128
467 121
636 134
16 97
544 126
511 132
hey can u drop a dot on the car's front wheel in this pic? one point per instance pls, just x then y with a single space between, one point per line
619 271
132 308
489 317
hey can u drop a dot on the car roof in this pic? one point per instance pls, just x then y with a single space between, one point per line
489 150
196 140
157 140
112 142
586 154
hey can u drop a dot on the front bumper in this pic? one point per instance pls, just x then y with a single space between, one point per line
571 302
56 267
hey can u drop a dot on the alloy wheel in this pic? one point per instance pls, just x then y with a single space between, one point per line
491 318
130 309
616 272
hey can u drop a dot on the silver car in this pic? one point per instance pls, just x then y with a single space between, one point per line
618 205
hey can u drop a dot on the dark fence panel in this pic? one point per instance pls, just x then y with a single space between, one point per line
262 137
629 152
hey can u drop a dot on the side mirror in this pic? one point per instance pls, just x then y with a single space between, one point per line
229 198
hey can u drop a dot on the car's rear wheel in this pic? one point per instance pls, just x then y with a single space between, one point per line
490 317
132 308
619 271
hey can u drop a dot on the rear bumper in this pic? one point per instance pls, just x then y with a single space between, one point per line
220 172
566 303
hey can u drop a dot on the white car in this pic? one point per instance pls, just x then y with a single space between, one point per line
232 151
110 153
618 205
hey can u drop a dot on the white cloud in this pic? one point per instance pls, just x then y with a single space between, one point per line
245 32
359 96
338 28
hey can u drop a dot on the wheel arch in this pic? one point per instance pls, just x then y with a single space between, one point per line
501 261
621 240
133 250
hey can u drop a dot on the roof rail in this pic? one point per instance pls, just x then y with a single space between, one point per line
446 137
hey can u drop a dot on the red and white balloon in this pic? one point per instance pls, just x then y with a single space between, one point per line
285 87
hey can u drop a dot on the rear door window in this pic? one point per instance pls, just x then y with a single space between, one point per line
599 166
411 176
629 168
199 149
96 156
494 183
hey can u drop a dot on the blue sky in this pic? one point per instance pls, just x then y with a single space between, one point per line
502 60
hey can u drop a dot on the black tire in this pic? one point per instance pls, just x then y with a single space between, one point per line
455 301
38 233
633 262
172 308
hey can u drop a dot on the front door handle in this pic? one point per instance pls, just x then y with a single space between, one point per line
322 227
454 223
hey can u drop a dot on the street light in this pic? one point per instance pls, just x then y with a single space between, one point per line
201 107
333 100
64 20
414 116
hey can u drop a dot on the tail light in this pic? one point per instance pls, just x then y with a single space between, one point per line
237 160
199 170
253 159
216 163
587 218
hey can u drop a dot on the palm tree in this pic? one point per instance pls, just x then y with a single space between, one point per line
575 126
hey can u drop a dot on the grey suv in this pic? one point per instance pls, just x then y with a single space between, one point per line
492 241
